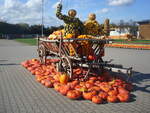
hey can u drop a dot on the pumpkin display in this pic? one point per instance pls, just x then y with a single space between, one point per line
97 100
96 88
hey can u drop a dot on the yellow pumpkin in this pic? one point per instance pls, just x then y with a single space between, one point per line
69 36
63 78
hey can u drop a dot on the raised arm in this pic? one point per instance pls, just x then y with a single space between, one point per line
59 15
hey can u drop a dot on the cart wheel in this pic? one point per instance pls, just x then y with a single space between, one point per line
42 54
66 66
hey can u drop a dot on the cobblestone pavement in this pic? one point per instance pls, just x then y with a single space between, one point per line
20 93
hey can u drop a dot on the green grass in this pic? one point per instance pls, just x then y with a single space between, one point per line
29 41
133 41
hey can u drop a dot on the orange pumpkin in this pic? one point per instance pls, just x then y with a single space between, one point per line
112 92
33 60
96 88
63 78
43 82
69 36
123 97
93 78
57 86
112 98
123 90
56 77
89 85
64 89
97 100
48 84
73 94
88 95
77 87
105 87
91 57
103 95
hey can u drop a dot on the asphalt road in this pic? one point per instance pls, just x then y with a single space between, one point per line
20 93
138 59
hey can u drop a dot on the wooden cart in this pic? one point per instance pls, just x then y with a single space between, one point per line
59 49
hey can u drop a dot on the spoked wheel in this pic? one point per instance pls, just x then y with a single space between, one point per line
42 54
65 66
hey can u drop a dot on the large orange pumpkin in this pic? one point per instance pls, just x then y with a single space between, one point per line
105 87
88 95
89 85
112 98
97 100
123 97
123 90
113 92
103 95
96 88
73 94
64 89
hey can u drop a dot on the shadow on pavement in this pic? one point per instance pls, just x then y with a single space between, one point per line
139 78
3 60
9 64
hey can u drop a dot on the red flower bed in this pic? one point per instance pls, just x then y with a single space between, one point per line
97 89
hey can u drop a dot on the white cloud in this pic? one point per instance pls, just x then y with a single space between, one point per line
102 11
120 2
15 11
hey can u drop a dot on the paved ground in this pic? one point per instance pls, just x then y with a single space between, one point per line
20 93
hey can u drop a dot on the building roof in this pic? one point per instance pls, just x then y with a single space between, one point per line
144 22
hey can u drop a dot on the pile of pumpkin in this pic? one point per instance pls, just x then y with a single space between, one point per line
98 89
133 46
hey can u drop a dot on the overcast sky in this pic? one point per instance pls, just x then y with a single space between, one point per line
29 11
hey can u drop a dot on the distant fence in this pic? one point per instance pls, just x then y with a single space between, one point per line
13 36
